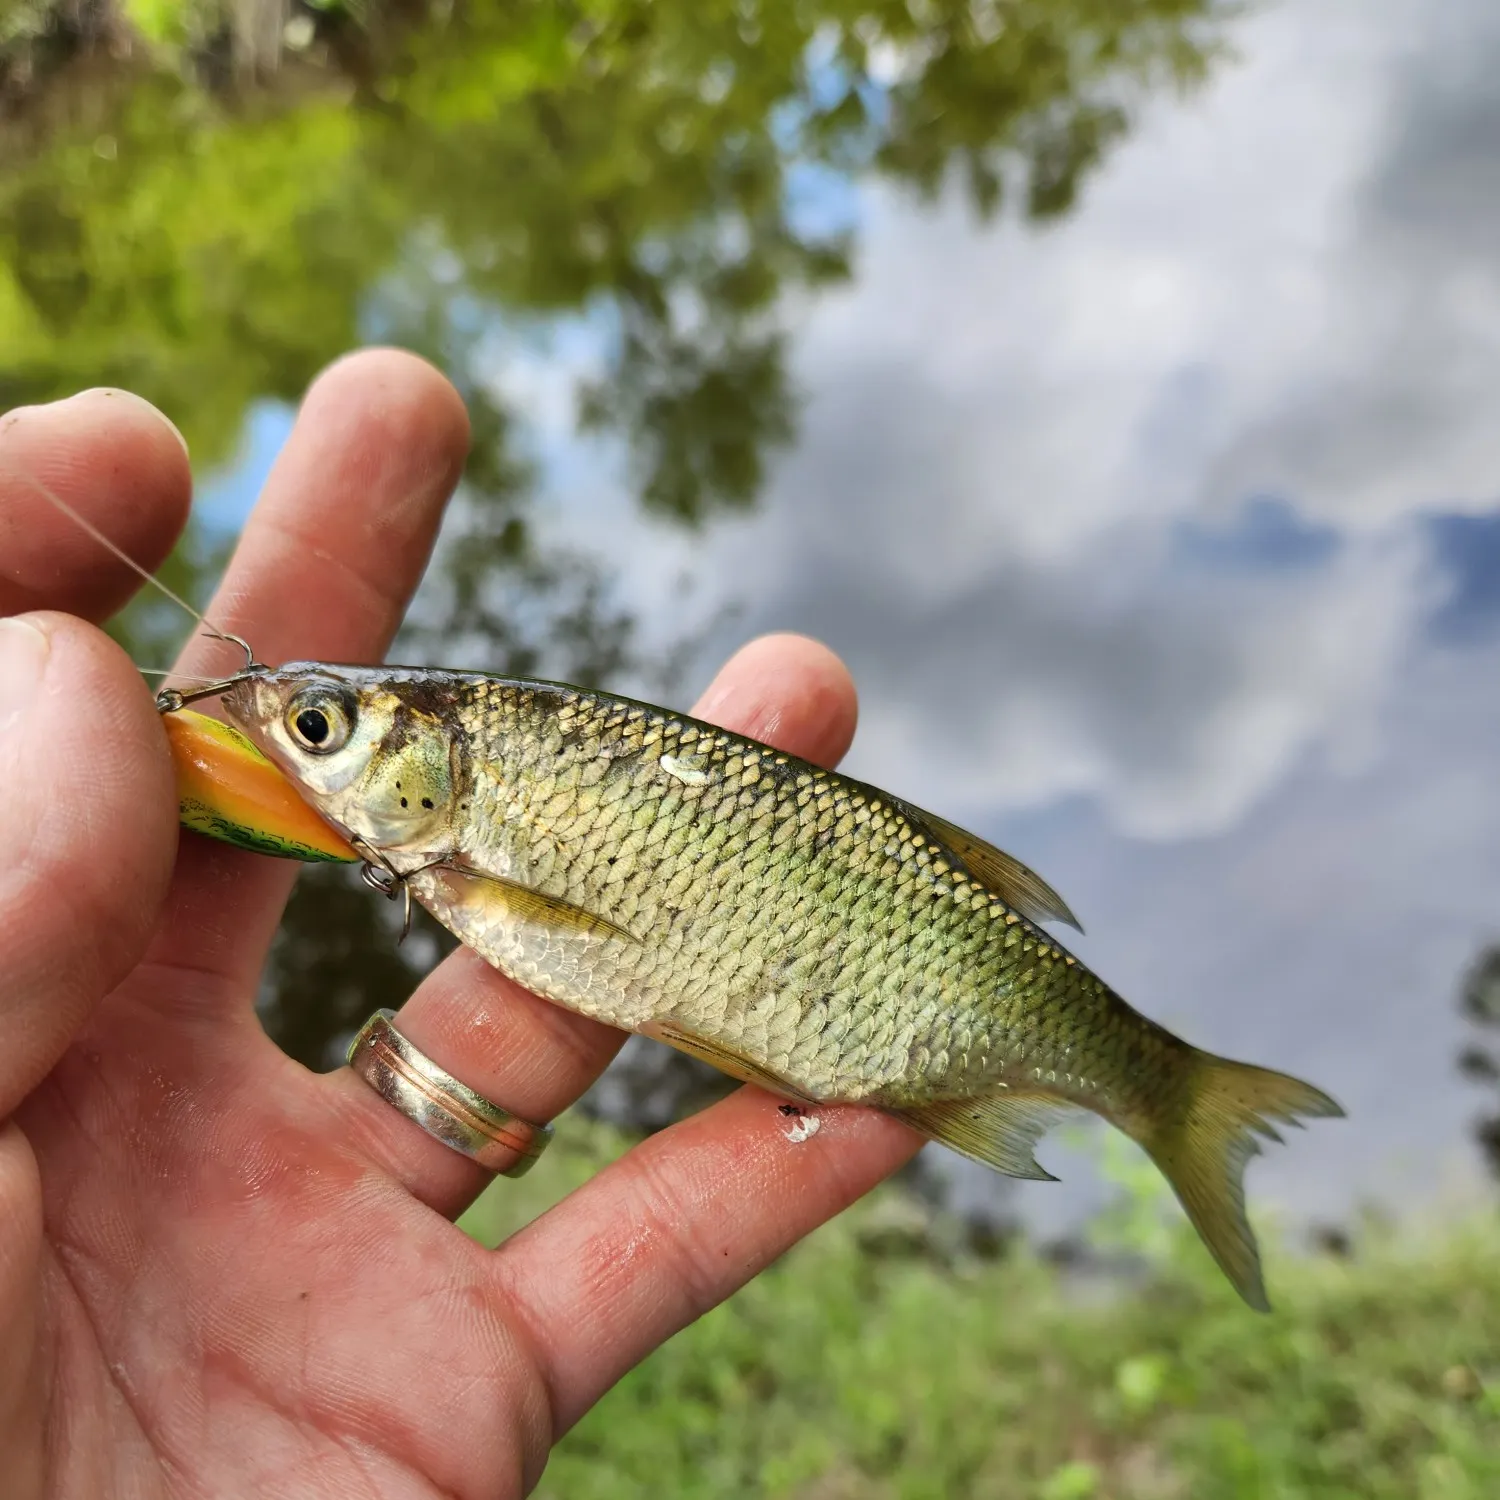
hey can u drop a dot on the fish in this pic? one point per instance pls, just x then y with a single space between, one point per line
793 927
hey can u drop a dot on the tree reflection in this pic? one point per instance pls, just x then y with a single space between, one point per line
641 160
1479 1003
213 226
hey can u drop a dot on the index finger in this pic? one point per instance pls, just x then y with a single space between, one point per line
339 539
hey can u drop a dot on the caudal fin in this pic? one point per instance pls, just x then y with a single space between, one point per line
1203 1148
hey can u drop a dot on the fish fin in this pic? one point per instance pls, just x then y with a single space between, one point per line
1019 886
999 1129
725 1059
536 906
1203 1149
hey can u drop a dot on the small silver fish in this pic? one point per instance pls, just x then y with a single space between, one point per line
787 924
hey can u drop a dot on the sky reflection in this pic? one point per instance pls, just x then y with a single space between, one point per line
1164 543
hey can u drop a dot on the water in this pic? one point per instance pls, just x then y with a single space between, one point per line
1157 512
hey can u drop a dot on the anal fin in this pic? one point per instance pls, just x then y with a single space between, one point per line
724 1058
999 1129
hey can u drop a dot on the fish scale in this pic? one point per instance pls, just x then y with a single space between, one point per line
597 788
791 925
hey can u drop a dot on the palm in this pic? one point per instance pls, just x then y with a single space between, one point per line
221 1274
247 1301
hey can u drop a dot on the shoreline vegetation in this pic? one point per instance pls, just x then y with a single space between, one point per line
871 1364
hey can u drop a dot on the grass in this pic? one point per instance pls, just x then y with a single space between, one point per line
863 1367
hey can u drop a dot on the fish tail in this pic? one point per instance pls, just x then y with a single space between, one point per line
1203 1145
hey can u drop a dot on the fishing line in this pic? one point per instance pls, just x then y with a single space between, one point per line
173 672
121 555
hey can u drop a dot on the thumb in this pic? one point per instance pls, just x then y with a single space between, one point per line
87 816
87 834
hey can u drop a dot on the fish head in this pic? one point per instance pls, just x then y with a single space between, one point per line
370 749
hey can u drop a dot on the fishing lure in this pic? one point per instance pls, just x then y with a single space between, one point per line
794 927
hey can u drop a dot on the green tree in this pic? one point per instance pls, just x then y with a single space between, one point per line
1479 1061
209 245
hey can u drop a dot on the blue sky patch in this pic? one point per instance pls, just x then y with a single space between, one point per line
1265 534
1468 551
226 494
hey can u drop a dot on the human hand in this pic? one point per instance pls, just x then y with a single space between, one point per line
221 1274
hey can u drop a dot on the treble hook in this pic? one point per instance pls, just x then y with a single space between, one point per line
251 665
390 885
170 700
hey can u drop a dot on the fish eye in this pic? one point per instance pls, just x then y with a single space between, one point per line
320 720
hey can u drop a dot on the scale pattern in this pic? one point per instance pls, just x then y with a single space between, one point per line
788 914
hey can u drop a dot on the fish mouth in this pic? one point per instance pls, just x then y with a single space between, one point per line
239 700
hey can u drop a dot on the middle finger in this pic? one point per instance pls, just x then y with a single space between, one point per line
534 1058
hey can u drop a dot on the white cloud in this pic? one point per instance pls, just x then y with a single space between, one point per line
1006 429
1210 254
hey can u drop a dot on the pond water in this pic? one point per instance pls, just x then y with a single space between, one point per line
1156 506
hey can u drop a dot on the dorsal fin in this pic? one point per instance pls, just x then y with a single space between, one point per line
1016 884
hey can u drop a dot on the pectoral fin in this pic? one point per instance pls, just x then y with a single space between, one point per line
535 906
1016 884
724 1058
999 1129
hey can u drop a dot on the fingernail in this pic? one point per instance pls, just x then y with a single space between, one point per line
129 398
23 658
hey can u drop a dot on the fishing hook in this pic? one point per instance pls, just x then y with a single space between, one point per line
170 700
382 878
389 884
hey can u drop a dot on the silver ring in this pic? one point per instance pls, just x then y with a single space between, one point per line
449 1111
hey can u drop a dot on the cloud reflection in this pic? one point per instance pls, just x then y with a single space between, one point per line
1030 502
1160 544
